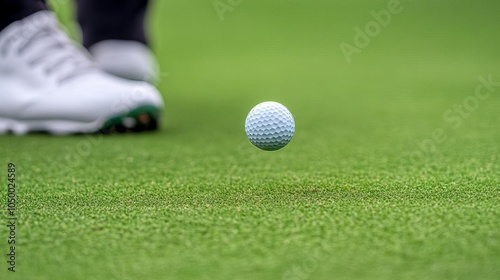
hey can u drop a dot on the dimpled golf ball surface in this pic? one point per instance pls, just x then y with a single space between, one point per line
269 126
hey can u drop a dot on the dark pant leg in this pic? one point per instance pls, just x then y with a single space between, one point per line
112 20
12 10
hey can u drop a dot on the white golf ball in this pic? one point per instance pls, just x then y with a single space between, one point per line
270 126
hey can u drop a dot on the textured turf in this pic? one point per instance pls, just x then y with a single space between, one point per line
380 181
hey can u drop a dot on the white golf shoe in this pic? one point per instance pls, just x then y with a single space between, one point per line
50 84
126 59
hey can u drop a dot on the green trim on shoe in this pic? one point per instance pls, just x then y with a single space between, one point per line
142 118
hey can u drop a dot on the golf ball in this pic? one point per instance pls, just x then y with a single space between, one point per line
269 126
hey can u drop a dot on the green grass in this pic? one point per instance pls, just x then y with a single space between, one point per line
351 197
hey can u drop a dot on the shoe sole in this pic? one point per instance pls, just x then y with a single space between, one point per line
142 118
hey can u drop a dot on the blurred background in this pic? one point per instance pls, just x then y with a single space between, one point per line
219 58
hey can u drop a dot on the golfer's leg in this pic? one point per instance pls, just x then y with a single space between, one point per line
112 20
114 32
12 10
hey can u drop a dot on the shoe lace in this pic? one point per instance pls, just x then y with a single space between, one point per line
56 53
